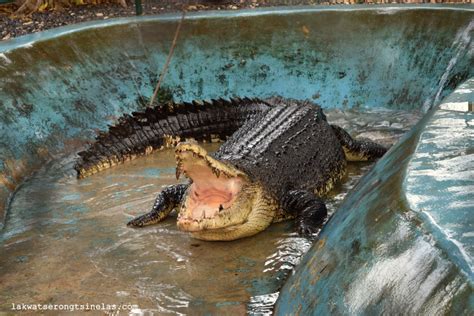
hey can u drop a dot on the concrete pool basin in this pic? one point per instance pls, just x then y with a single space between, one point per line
402 240
59 87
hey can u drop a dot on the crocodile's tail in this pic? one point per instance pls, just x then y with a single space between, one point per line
163 126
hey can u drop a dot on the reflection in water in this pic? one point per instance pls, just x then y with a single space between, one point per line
65 240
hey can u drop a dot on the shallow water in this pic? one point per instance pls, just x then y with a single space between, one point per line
65 240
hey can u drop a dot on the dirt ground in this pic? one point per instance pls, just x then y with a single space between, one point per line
11 26
16 26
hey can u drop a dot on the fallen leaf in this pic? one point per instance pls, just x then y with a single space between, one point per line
43 7
305 30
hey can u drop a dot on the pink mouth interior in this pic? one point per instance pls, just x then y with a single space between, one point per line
208 193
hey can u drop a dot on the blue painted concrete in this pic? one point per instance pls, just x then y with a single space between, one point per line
58 88
373 57
401 243
439 184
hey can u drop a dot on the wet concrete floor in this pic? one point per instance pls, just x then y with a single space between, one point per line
65 240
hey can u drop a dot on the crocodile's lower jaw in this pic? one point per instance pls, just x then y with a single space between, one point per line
235 213
208 198
254 210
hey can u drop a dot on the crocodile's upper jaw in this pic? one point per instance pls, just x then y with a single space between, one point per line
219 200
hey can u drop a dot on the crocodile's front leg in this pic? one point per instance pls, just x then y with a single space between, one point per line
358 150
165 202
308 209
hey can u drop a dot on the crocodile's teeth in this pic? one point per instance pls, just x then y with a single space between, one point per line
215 171
179 168
203 215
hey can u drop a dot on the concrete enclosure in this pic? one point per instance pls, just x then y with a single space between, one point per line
58 88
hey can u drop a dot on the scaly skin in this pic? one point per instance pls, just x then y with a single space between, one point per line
163 126
280 158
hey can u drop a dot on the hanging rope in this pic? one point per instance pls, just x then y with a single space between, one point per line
170 54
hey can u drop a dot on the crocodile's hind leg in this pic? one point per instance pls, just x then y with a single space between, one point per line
308 209
358 150
165 202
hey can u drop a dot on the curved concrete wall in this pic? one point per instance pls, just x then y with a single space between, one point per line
402 242
57 88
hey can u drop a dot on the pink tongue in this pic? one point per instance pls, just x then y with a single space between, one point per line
214 196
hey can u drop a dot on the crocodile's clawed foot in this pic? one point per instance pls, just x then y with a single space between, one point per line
136 222
165 202
309 232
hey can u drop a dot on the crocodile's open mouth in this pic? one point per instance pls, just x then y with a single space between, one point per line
212 198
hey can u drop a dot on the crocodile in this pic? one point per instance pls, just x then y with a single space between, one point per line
278 160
